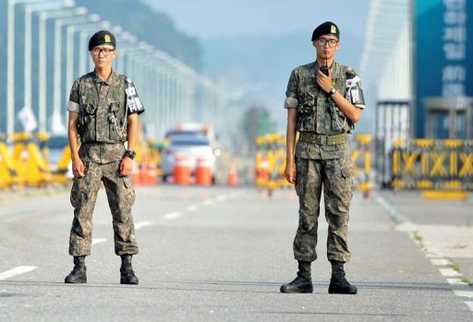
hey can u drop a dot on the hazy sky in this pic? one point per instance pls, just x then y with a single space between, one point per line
224 24
211 18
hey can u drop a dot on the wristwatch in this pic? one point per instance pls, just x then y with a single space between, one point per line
130 153
332 91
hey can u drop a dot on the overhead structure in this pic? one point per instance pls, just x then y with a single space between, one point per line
44 48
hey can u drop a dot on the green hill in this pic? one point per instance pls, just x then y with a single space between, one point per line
154 27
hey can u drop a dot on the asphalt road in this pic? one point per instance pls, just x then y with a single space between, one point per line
217 254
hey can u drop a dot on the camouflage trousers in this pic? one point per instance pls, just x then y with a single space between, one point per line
335 177
120 195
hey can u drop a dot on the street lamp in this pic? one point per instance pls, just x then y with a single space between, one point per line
138 61
67 74
56 125
10 94
28 52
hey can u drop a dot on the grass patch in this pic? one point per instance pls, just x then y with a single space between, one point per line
417 237
455 267
466 281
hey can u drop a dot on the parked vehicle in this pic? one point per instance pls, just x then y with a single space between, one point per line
190 147
192 129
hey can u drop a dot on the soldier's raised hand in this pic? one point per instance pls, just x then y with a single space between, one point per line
324 81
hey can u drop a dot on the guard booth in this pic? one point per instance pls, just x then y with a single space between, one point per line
449 117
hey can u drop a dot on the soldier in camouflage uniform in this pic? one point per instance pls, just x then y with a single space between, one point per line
324 101
103 115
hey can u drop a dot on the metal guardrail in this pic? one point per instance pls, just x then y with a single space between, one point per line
271 162
432 165
25 163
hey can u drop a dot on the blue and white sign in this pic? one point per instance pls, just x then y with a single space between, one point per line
443 57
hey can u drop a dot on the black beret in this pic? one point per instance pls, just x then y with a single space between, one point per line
327 28
102 37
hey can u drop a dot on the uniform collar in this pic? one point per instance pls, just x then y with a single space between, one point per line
112 79
317 65
336 67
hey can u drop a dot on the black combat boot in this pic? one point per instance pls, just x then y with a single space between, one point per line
302 283
338 282
127 275
78 274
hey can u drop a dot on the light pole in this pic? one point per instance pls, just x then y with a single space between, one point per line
140 67
67 26
30 81
43 65
56 124
10 93
3 66
126 44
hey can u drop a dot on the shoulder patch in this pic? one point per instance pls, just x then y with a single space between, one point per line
349 71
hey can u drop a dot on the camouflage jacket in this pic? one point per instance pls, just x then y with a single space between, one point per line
103 108
316 111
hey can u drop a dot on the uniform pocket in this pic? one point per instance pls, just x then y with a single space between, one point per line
346 172
347 175
90 108
300 175
75 193
115 122
114 107
78 193
127 182
128 195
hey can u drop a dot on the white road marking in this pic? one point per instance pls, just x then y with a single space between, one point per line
222 197
192 208
98 240
440 262
468 294
435 256
208 202
431 254
16 271
172 215
142 224
470 305
456 281
394 214
449 272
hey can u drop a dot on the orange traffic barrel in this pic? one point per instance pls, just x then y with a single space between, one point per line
232 179
150 174
137 175
182 171
203 173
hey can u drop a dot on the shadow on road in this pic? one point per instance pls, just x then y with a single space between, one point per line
235 286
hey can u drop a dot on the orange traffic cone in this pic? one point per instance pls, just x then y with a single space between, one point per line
182 171
232 179
203 173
